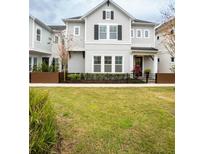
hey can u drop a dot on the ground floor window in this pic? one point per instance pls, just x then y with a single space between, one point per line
30 64
108 64
33 62
97 63
118 63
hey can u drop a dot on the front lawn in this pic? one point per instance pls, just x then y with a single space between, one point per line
115 120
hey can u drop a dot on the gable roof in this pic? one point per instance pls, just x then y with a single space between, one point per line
39 22
108 1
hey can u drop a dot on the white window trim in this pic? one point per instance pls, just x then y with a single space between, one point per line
140 32
74 30
103 63
40 34
107 10
101 58
32 62
119 64
132 31
148 33
108 30
108 64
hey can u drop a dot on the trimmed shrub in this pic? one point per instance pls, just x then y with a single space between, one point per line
74 77
42 124
46 68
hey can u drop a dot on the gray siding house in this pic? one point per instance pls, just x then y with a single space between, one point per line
107 39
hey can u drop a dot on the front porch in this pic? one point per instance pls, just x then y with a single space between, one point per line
146 58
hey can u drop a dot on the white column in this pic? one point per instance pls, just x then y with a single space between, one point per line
131 65
155 65
131 62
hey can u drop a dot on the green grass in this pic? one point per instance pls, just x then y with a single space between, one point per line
115 120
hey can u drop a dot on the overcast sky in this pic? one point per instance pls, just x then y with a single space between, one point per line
53 11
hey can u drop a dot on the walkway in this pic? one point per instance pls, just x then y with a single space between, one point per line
99 85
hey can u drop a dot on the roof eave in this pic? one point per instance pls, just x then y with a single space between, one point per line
102 3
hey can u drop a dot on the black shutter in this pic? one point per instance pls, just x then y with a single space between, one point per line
95 32
104 14
112 15
119 32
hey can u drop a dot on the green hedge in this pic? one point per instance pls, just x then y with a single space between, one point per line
98 76
42 124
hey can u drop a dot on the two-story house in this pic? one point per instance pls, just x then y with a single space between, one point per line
107 39
43 42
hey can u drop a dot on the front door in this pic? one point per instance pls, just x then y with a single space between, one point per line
45 60
138 61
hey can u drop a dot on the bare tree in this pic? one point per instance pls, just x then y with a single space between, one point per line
168 30
64 50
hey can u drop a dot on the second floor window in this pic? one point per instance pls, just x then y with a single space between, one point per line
38 34
103 32
139 33
146 33
113 32
132 33
76 30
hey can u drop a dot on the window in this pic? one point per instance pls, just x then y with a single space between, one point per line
76 30
118 63
108 64
146 33
157 37
139 33
158 60
132 33
108 15
97 63
103 32
38 34
35 61
113 32
56 39
30 64
172 59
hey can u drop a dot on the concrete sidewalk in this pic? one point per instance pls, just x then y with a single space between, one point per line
99 85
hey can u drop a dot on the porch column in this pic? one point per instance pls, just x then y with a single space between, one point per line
131 65
155 66
131 62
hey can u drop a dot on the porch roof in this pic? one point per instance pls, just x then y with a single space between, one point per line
144 50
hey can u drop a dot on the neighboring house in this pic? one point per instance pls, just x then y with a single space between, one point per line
166 60
43 42
107 39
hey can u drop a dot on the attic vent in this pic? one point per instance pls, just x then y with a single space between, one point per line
108 3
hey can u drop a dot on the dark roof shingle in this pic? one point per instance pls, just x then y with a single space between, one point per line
57 27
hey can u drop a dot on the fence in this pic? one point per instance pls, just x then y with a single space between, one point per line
56 77
165 78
